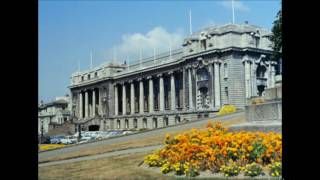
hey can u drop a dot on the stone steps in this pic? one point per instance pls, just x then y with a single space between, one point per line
67 128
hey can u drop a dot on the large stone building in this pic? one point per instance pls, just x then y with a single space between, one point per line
53 114
218 65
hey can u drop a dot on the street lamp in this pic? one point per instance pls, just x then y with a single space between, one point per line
79 129
41 137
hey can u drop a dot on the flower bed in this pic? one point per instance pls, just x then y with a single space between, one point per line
44 147
220 151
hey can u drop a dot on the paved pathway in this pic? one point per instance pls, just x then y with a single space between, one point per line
92 145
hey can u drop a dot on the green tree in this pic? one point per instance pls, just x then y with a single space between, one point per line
276 37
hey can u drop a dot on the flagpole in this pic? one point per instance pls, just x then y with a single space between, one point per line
170 48
232 4
190 23
128 63
91 60
154 55
140 57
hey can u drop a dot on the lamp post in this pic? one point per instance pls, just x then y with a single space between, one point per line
79 129
41 136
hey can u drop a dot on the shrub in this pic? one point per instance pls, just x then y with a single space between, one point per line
153 160
252 170
230 170
227 109
275 169
257 101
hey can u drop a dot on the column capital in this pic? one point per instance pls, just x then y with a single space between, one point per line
149 77
130 81
171 72
159 75
217 61
140 79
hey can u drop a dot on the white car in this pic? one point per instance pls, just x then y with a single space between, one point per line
68 140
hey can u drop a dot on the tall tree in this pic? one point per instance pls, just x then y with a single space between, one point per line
276 38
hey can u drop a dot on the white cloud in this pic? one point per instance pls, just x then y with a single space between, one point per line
158 38
238 5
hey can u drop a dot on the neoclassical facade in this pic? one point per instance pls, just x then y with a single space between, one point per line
218 65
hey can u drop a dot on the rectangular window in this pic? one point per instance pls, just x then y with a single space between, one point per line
227 93
82 78
225 67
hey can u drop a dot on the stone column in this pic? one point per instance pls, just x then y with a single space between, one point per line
151 106
268 72
93 103
247 78
141 96
212 84
254 79
161 92
86 104
183 88
124 98
272 74
132 97
172 91
217 84
116 101
80 106
190 89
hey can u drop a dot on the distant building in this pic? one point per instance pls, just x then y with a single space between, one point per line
53 114
217 65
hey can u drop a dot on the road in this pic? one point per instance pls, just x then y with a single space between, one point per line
79 147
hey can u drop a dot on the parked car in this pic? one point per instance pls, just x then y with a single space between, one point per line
68 140
44 139
103 135
56 139
126 132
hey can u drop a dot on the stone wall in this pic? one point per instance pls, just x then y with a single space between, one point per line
271 111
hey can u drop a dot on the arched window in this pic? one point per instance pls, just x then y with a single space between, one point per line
135 123
261 71
165 121
155 123
145 123
118 124
126 123
178 119
203 74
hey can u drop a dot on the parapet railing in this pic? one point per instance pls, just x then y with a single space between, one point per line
160 59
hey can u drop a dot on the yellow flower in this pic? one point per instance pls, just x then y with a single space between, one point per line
250 148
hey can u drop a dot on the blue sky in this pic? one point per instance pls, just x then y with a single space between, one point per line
70 30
